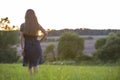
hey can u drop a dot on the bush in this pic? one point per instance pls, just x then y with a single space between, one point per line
110 51
80 58
49 53
8 56
83 57
8 38
8 53
100 42
70 45
118 62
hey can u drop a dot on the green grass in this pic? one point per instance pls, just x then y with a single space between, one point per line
60 72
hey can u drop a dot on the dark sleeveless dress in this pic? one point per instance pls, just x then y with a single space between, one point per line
33 52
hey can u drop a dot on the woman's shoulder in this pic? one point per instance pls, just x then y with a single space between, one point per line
22 24
22 27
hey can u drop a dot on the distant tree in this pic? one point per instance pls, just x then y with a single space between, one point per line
5 25
70 45
8 40
50 50
100 42
110 51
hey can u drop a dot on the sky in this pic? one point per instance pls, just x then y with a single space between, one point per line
61 14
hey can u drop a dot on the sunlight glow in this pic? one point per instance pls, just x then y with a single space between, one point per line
5 25
40 33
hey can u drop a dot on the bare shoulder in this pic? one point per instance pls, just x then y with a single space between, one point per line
22 25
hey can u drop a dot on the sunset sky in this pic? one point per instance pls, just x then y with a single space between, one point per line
60 14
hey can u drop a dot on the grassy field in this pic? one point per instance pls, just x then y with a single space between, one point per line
60 72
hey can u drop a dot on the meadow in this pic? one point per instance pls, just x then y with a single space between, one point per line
60 72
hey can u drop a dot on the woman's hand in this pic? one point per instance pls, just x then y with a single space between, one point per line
23 52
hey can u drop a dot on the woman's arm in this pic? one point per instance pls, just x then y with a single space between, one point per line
21 36
22 40
44 34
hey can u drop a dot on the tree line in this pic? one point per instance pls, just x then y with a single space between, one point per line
82 31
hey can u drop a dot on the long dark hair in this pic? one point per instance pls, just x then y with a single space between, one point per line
31 25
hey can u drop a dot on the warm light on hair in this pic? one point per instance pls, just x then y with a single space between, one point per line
31 25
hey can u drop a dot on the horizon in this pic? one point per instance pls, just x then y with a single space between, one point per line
62 14
15 27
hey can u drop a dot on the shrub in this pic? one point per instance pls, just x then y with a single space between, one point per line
8 56
70 45
80 58
8 53
100 42
8 38
49 53
110 51
118 62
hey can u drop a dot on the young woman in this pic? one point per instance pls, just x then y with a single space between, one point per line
29 32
